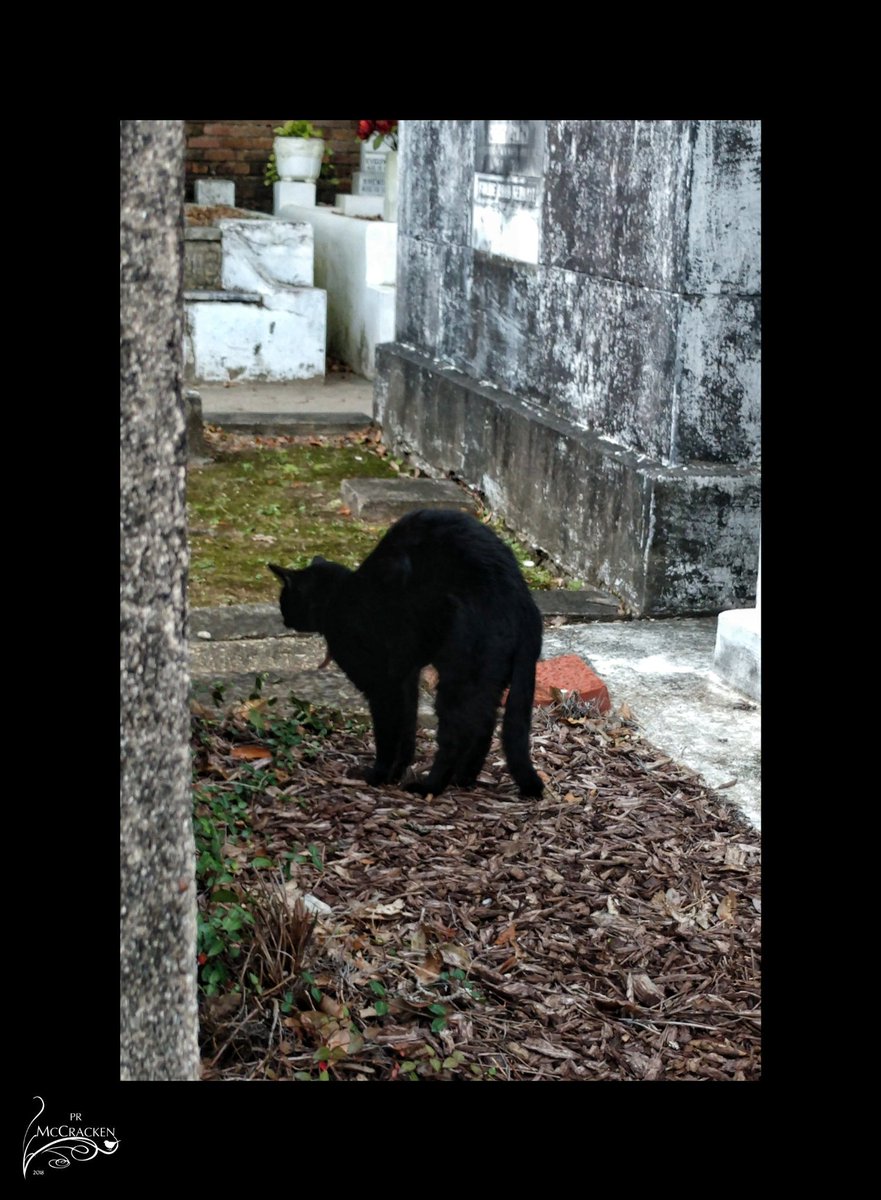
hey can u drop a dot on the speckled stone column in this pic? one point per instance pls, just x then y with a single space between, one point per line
159 1022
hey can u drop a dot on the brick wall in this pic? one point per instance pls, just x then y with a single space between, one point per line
238 150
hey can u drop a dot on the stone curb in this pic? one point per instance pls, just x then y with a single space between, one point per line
325 424
234 622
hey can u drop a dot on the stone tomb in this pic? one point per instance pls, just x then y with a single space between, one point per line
266 320
578 336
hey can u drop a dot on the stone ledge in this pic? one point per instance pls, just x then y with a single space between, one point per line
670 541
288 424
586 603
202 233
240 622
222 297
380 500
233 622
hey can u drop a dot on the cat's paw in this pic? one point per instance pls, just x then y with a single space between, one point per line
464 782
531 786
418 786
375 776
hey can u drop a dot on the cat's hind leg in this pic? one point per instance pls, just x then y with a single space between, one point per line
465 719
472 753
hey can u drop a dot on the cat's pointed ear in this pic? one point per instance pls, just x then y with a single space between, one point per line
281 572
317 560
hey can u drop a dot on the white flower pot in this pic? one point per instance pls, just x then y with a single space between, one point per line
298 158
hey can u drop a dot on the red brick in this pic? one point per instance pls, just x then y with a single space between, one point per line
248 143
252 129
209 143
569 673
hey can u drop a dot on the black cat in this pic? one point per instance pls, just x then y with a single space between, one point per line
439 588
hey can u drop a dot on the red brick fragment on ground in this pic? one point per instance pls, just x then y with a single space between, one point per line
569 673
566 672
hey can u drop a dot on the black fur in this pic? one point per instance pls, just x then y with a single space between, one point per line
439 588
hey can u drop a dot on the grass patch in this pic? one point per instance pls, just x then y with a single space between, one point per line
281 502
273 504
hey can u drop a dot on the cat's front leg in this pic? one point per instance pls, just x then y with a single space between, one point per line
393 709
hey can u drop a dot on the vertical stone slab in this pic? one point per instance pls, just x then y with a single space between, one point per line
159 1023
216 191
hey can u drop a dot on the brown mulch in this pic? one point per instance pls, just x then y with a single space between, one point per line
210 214
609 931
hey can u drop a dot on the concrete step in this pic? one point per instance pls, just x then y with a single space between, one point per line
381 500
289 662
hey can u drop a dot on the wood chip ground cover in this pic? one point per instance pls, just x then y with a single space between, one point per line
610 930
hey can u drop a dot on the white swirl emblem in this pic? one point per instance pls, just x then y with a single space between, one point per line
67 1149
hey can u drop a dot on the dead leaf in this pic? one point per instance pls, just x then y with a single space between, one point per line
332 1007
345 1039
455 956
218 1007
727 907
251 752
507 935
642 989
540 1046
429 970
316 1021
378 912
735 857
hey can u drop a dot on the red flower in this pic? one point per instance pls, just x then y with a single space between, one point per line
380 131
203 958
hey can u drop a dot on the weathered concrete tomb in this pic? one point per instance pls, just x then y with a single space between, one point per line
577 335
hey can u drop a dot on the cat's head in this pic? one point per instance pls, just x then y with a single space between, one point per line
304 594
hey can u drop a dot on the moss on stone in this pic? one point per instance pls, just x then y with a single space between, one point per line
279 505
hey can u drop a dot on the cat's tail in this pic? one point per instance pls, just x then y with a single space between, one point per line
517 719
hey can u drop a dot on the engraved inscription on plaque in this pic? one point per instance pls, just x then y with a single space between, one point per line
508 188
